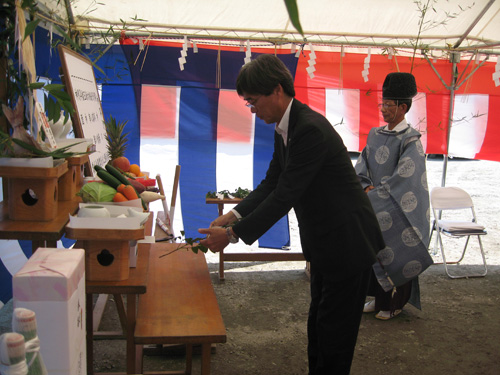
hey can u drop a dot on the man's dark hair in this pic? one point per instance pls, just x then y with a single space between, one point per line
405 101
262 75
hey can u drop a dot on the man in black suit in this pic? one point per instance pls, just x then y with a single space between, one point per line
312 173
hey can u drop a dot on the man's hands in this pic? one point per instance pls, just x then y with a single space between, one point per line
216 239
224 220
368 188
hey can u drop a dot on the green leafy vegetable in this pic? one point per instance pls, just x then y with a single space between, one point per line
238 193
96 192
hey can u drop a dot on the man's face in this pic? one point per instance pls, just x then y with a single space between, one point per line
391 112
265 107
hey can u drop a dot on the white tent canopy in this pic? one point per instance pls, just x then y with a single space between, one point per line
442 25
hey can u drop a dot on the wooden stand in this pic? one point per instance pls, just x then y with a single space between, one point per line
106 251
33 192
40 233
71 182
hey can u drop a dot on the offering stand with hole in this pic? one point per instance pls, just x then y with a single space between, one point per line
33 192
71 181
40 233
106 251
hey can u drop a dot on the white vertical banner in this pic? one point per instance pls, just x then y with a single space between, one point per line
235 141
417 116
159 152
12 256
470 120
342 110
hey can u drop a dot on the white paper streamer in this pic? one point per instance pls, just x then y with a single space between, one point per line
182 59
312 62
248 53
496 74
366 68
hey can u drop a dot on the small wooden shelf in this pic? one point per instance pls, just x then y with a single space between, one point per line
33 192
107 251
71 181
42 233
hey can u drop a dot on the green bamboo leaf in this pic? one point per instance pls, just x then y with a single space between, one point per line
36 85
293 13
57 115
62 95
54 86
52 110
67 106
30 28
60 153
67 38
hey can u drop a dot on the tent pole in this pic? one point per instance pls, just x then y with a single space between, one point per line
450 118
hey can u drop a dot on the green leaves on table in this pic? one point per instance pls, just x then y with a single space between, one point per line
188 243
238 193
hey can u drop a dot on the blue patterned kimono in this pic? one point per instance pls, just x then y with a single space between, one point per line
394 163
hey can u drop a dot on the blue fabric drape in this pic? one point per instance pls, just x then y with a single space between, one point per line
197 156
278 236
198 122
119 97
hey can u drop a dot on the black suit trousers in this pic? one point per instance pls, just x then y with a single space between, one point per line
333 323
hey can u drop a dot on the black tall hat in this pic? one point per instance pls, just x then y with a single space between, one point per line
399 86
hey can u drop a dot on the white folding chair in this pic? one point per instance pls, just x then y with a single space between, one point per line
454 198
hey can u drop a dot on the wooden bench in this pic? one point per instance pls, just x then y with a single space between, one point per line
179 306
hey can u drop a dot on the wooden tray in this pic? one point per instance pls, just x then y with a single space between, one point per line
104 234
33 173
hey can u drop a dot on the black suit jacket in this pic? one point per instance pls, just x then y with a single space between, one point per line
314 174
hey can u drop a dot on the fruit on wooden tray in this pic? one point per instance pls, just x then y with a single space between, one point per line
121 163
117 139
136 170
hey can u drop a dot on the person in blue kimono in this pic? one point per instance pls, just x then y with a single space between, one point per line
392 171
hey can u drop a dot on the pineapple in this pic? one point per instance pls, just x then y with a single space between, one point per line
117 140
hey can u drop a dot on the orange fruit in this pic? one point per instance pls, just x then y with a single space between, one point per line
122 163
135 169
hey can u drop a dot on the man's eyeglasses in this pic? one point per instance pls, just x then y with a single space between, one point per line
250 103
386 106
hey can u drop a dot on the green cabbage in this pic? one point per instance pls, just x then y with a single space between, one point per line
96 192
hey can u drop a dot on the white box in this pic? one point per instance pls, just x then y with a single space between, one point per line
113 222
52 284
133 249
